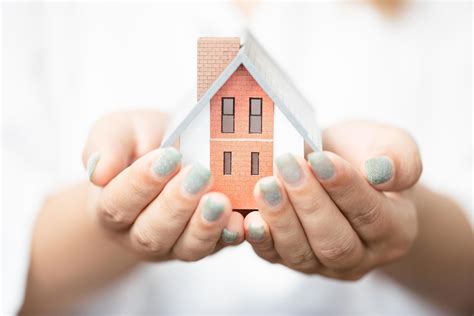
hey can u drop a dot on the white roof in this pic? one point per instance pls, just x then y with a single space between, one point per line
272 80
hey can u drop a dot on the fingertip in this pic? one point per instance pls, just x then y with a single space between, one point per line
256 229
379 171
233 233
214 207
331 170
91 164
393 168
321 164
268 192
102 168
197 179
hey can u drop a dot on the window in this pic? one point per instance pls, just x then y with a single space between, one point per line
255 125
227 162
227 120
254 162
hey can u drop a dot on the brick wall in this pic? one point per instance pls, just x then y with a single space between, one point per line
214 54
239 185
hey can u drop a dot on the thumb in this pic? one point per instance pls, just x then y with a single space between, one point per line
387 156
118 139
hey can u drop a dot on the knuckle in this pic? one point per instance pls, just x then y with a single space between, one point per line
203 238
302 259
265 246
110 214
175 210
148 245
137 181
337 252
310 204
367 217
279 224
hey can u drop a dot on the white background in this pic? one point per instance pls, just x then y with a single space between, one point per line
63 65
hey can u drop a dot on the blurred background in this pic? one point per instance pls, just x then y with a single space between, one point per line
65 64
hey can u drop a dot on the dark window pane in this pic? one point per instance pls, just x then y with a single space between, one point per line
254 164
255 124
228 124
227 162
255 107
228 106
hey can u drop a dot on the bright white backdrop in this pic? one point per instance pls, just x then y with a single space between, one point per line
63 65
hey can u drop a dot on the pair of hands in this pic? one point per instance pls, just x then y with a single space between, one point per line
340 214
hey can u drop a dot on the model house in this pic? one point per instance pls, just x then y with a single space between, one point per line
247 113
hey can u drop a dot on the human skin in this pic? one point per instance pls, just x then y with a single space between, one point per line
325 217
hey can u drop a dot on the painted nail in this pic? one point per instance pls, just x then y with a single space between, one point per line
229 237
270 190
378 169
321 165
196 179
256 232
92 163
167 161
212 209
289 168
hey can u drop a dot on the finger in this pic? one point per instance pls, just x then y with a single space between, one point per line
118 139
161 223
204 230
233 233
387 156
393 167
257 233
370 213
288 235
132 190
330 235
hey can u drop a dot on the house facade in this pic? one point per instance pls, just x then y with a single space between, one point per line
241 143
247 113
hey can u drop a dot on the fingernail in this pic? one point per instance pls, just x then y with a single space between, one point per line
256 232
321 165
378 169
229 237
167 161
196 179
270 190
212 209
92 163
289 168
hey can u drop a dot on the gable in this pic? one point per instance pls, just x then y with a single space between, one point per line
241 87
276 85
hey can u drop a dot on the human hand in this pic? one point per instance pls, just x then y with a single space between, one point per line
346 211
145 202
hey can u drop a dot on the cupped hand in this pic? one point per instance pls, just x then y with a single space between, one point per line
343 212
144 199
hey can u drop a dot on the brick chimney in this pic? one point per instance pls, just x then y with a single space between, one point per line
214 54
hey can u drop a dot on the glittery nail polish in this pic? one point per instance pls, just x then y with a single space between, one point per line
378 169
212 209
270 190
289 168
166 162
321 164
92 163
228 236
196 179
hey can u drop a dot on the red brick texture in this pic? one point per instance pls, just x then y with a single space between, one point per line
240 184
214 54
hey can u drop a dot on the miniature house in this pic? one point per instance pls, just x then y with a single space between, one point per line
247 113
